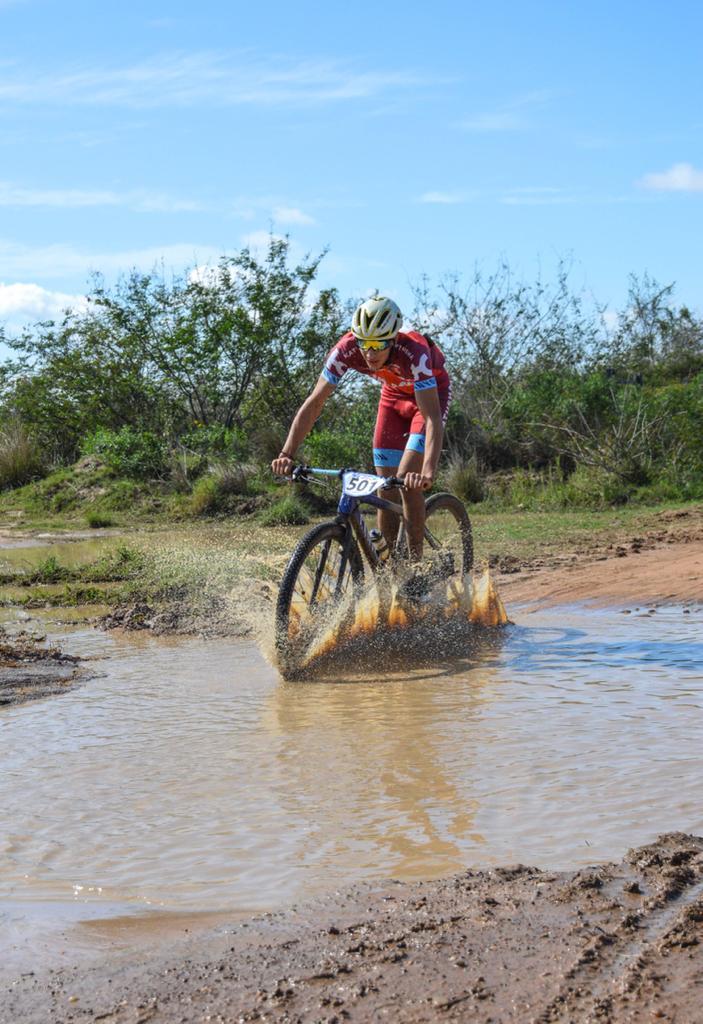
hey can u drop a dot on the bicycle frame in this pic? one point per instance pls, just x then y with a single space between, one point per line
349 514
348 511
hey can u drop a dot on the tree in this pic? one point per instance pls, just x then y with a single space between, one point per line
230 345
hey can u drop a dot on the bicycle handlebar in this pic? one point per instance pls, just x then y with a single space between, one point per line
299 474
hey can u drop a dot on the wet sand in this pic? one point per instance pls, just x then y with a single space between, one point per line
29 670
612 943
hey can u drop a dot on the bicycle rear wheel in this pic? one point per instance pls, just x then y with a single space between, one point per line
448 532
324 571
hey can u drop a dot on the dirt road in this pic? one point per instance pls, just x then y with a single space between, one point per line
662 566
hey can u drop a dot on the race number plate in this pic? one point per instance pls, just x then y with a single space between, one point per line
360 485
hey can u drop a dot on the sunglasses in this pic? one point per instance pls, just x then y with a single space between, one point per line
375 346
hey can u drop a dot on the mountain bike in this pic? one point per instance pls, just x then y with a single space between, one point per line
327 567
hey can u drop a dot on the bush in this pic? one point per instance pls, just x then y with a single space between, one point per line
20 457
49 570
122 496
129 452
186 468
211 492
216 440
98 520
464 478
587 487
289 511
333 450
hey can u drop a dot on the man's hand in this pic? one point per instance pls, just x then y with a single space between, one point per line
417 482
282 465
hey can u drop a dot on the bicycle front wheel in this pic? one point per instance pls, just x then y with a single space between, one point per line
324 571
448 532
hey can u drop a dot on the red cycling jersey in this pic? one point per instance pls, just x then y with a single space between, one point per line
413 365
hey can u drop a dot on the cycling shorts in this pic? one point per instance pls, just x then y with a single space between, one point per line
400 427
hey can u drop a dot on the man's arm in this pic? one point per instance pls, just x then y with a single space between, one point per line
303 422
428 404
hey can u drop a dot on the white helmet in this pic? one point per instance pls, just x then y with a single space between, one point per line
377 319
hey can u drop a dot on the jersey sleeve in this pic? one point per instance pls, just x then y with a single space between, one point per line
335 366
423 373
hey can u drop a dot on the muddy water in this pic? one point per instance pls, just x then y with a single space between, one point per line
188 776
17 553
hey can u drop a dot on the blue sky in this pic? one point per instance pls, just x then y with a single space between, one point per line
408 138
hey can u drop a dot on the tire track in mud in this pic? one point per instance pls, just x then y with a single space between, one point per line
628 973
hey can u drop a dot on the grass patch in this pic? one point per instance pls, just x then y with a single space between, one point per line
20 457
289 511
531 534
464 478
99 520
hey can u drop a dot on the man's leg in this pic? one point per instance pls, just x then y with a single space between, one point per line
389 522
413 505
389 440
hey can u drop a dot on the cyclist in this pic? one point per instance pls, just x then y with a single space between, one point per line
412 409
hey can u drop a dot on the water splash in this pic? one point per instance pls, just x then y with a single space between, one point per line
450 614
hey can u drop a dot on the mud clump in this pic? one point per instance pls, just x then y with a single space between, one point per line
29 670
505 945
176 618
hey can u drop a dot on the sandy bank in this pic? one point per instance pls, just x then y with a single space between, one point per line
611 943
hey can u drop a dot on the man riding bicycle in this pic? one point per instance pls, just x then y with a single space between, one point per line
412 409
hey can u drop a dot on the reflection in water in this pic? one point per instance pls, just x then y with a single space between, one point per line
18 554
371 773
188 775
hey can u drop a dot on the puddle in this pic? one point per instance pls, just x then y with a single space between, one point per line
189 777
26 552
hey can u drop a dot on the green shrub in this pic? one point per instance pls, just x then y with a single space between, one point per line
205 497
20 457
587 487
129 452
50 571
211 492
186 468
216 440
289 511
120 563
464 478
331 449
98 520
122 496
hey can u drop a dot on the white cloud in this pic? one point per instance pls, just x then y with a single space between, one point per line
611 319
259 240
219 79
210 274
508 117
50 262
21 304
499 121
291 215
539 197
679 178
137 199
446 198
